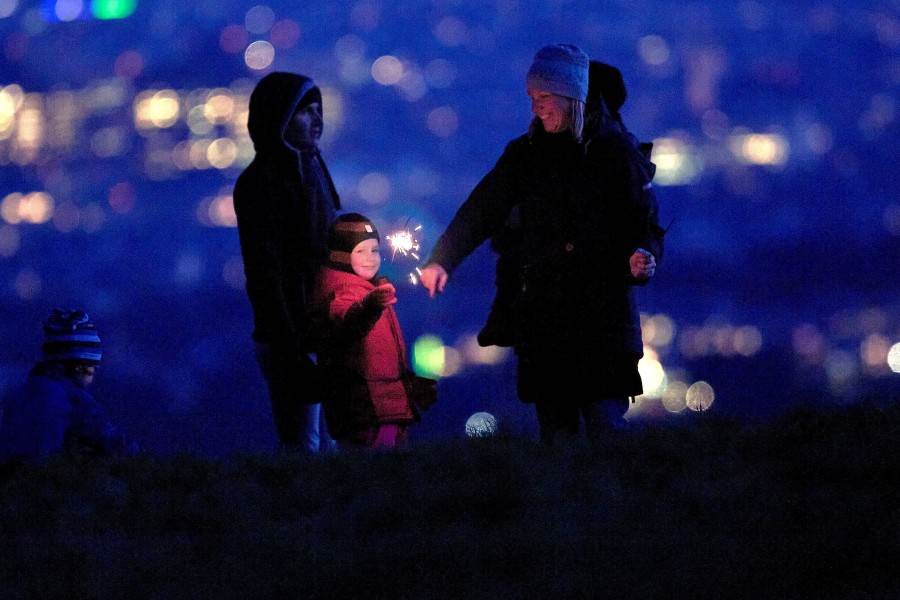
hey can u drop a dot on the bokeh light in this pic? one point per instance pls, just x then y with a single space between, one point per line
129 136
653 376
451 32
653 50
699 396
429 356
233 39
7 7
657 331
259 19
121 197
387 70
33 207
374 188
285 34
10 240
674 396
259 55
481 424
156 109
473 353
893 358
676 164
233 273
760 149
113 9
443 121
27 284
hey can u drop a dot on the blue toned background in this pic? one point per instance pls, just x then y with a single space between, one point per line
122 130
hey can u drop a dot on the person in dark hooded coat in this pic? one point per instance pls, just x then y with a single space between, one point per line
285 201
580 198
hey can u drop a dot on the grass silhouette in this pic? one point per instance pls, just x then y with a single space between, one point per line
805 506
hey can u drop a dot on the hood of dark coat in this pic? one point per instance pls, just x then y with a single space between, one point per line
273 101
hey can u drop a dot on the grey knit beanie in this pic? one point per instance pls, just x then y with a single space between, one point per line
561 69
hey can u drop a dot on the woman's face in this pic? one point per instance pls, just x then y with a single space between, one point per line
555 112
366 258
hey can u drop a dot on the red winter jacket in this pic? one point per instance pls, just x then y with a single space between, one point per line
362 358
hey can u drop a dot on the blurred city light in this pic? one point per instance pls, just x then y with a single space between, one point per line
429 356
675 162
893 358
760 149
71 10
259 55
33 207
113 9
115 137
481 424
699 396
387 70
653 376
674 396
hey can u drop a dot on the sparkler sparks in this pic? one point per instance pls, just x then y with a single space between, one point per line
406 243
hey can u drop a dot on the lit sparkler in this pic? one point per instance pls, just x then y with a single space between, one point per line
406 243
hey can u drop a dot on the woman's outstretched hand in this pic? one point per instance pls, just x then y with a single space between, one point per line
434 278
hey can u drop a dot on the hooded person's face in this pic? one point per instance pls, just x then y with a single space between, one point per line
305 127
555 112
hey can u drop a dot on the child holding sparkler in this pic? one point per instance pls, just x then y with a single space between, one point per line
363 355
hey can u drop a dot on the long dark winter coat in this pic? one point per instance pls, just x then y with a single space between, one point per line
581 210
364 358
282 221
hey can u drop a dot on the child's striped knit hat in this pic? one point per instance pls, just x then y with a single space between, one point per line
70 335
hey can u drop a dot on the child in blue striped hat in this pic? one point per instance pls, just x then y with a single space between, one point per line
53 413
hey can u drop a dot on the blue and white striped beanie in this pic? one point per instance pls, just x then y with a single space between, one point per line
70 335
561 69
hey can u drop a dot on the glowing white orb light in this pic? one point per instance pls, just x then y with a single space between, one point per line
699 396
481 424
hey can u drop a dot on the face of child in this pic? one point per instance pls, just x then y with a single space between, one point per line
83 374
366 258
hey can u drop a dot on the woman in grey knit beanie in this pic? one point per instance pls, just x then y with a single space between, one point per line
557 83
580 229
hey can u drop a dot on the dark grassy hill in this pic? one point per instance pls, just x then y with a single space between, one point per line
802 507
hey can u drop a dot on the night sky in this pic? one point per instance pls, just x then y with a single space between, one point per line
775 130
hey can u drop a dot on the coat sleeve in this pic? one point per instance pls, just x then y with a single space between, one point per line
351 317
50 416
643 210
651 235
91 431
